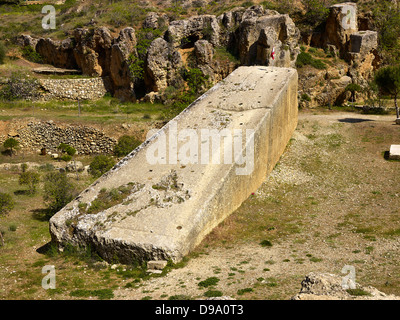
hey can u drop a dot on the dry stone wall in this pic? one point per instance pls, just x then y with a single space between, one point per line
37 135
74 89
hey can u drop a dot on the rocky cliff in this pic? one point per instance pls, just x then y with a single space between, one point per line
251 35
143 63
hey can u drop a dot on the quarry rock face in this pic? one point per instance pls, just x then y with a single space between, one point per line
252 35
341 23
259 36
358 48
160 201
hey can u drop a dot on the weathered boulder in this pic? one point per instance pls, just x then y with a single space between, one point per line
204 52
363 42
26 40
155 21
258 36
57 53
325 286
184 33
157 65
74 166
123 47
93 50
214 69
341 23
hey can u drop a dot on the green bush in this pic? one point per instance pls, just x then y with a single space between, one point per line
304 58
2 53
100 165
58 191
305 97
66 148
31 55
212 281
10 144
31 179
126 144
6 203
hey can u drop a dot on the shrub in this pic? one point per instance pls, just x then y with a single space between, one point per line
195 79
243 291
316 11
213 293
30 54
266 243
24 167
10 144
2 53
100 165
305 97
208 282
31 179
67 149
6 203
304 58
126 144
58 191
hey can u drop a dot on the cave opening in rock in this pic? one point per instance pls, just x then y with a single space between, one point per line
189 41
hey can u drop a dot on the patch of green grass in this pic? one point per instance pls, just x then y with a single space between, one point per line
241 292
212 281
315 259
213 293
304 58
266 243
358 292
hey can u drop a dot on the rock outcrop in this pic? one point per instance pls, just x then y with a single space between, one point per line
57 53
325 286
358 50
251 34
341 23
95 52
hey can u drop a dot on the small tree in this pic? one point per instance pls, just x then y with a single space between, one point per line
31 179
6 205
100 165
388 81
126 144
58 191
11 144
67 150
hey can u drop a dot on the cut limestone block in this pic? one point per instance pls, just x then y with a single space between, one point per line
160 201
394 153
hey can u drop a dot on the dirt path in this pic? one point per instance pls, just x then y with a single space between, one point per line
331 201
